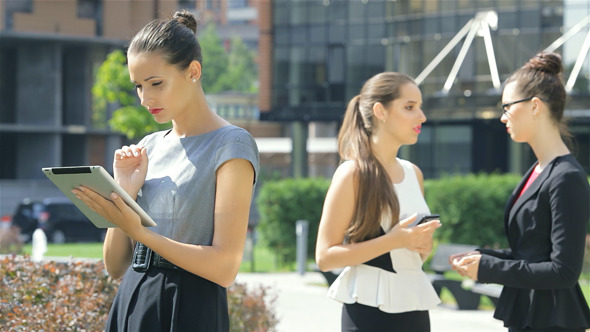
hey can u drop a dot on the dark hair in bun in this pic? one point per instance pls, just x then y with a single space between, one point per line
549 63
174 38
541 77
187 19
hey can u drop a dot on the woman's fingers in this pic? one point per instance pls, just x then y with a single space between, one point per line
118 201
97 202
455 257
89 197
467 260
431 225
407 221
128 151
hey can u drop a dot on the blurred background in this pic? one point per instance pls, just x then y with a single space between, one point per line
284 70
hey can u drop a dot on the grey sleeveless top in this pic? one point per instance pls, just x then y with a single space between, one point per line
179 189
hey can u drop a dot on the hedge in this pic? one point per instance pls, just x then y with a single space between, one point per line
471 209
77 296
280 204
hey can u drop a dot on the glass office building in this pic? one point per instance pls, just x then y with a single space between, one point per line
324 50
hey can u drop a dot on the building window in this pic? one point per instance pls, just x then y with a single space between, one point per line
336 73
443 149
237 4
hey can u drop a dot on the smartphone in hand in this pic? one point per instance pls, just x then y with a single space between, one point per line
424 219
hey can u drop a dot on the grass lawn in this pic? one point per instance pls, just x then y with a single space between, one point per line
264 261
264 258
78 250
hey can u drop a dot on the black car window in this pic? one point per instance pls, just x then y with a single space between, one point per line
37 209
26 211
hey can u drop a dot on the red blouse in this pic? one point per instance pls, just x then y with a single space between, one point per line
532 177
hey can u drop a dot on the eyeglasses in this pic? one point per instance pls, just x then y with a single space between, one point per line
505 106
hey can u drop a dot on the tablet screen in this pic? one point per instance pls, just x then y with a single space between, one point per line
100 181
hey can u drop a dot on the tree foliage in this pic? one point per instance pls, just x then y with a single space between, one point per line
112 85
215 60
232 70
242 74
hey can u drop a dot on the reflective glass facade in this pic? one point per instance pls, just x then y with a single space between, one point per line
324 50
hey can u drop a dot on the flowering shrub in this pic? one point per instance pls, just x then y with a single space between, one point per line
248 310
52 296
77 296
10 242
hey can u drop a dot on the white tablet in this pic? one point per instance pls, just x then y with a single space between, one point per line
97 179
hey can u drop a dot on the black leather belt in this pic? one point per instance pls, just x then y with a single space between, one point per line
144 258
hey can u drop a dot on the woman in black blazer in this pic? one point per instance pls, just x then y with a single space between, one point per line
546 215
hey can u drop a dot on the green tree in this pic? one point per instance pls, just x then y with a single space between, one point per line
233 70
215 60
242 73
113 86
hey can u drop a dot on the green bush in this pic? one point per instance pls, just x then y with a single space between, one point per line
77 296
281 203
471 207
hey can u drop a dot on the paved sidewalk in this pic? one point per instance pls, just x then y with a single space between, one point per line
302 306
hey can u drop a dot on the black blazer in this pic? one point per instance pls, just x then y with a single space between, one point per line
546 230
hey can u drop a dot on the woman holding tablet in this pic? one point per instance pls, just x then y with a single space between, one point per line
195 180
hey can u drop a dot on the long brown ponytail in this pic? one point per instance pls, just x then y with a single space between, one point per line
375 196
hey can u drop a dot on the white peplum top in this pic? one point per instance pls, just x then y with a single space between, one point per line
406 289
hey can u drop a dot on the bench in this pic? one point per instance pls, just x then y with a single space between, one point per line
439 264
492 291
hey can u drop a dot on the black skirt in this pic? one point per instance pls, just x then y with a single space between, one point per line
357 317
168 300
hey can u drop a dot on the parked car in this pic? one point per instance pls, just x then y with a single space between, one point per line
26 218
61 220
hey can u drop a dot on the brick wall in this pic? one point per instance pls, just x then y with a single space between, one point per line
260 129
2 13
123 18
54 16
96 147
265 55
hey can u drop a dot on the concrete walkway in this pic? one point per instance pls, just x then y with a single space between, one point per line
302 306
